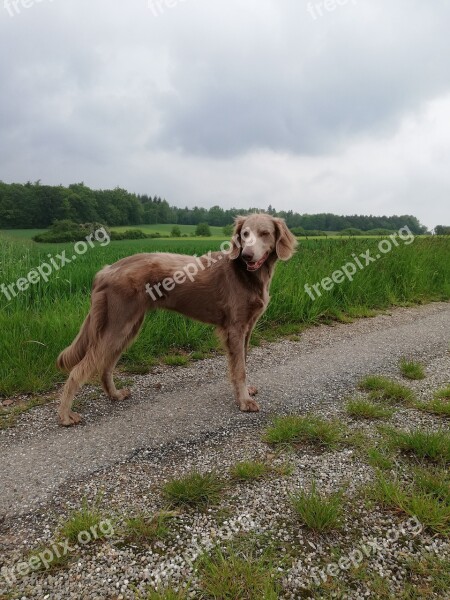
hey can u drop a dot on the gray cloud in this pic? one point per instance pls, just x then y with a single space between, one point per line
232 102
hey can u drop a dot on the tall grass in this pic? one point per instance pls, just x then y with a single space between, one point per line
37 324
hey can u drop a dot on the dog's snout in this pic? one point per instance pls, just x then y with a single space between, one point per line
247 255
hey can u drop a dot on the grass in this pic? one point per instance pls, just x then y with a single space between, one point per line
38 323
295 429
144 529
85 520
249 470
428 577
363 409
194 489
318 512
435 482
411 369
439 405
168 593
382 388
423 444
412 500
379 459
231 575
178 360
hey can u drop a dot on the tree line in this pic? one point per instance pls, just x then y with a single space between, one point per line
37 206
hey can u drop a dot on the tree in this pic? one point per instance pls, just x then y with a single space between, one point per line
227 230
203 230
442 230
175 232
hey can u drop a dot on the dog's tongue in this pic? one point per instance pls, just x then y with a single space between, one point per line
254 266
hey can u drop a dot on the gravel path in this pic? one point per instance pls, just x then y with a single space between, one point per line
174 404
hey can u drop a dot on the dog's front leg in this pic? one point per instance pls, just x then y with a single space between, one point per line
235 344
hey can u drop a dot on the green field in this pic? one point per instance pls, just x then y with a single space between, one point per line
163 229
39 322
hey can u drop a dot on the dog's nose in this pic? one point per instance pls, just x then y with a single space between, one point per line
247 255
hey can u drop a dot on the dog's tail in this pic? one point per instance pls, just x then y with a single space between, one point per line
88 335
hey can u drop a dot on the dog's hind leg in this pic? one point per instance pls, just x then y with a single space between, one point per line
112 350
81 373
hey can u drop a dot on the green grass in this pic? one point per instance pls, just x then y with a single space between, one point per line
194 489
144 529
232 575
39 322
294 429
249 470
439 405
427 576
434 481
436 406
412 500
363 409
382 388
164 594
316 511
379 459
165 229
178 360
411 369
422 444
84 520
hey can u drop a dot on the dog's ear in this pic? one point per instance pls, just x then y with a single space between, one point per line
286 242
236 239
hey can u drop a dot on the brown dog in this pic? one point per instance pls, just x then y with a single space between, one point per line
228 289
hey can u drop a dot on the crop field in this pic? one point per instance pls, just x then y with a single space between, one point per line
39 322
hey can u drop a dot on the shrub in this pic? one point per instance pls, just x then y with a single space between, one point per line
203 230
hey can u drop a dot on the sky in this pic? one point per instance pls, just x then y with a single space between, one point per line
336 106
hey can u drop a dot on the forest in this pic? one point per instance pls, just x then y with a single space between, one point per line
37 206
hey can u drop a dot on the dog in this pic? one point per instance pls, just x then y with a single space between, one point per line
228 289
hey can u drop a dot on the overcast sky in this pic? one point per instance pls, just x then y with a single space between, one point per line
233 102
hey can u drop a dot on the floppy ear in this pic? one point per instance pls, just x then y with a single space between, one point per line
236 239
286 242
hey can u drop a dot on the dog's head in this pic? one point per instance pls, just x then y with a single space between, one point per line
258 236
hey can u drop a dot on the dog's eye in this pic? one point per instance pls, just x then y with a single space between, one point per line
246 234
265 233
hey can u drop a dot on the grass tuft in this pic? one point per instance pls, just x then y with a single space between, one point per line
194 490
382 388
318 512
249 470
428 577
164 594
294 429
143 529
439 405
411 369
363 409
229 575
85 520
379 459
424 444
410 499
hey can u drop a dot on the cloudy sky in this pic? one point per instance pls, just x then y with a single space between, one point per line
336 106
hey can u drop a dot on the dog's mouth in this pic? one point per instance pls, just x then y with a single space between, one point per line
254 266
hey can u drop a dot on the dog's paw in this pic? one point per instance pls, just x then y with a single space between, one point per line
252 390
248 406
121 394
69 420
